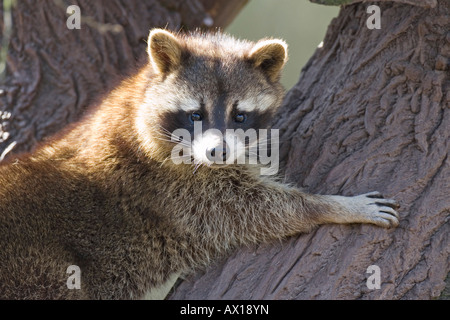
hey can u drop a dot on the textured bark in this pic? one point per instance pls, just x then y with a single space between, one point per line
421 3
370 112
54 73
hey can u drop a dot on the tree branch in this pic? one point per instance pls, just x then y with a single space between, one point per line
420 3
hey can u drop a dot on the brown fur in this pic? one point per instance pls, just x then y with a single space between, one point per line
104 196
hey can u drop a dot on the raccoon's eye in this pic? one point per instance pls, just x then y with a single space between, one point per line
195 116
240 118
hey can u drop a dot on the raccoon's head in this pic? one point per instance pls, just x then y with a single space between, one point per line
206 90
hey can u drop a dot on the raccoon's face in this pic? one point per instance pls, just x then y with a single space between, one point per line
211 96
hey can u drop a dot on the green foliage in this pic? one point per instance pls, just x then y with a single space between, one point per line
332 2
6 35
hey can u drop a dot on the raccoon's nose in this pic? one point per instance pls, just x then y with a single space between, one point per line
217 153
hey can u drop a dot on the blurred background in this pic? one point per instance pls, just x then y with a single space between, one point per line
300 23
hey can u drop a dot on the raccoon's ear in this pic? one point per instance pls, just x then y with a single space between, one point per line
269 56
164 51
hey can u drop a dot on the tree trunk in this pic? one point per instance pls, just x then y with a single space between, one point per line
370 112
54 73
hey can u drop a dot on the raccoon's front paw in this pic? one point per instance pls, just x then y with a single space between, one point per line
377 210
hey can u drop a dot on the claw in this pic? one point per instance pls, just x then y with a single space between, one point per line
388 202
374 194
390 211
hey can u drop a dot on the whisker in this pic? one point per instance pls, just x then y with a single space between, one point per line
182 142
197 166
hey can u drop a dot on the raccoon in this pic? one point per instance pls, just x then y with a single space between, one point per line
110 198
